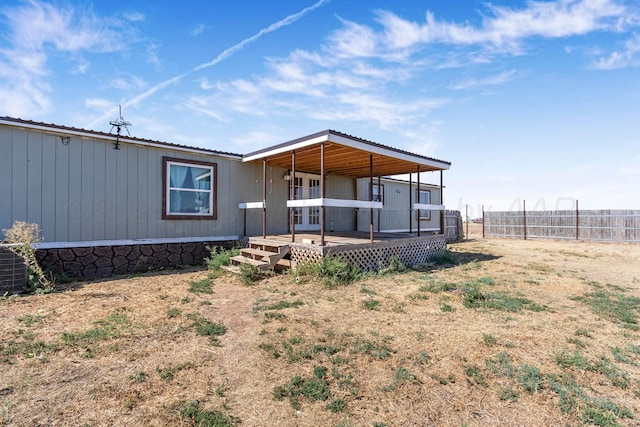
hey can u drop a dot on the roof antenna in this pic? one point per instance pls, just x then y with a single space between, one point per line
119 123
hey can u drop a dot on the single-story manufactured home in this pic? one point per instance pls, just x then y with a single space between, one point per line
112 204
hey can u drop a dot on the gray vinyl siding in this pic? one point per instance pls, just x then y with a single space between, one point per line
340 187
395 212
87 191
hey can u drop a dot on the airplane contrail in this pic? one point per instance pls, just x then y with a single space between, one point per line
221 57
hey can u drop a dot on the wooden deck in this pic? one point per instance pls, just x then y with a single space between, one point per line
356 247
333 239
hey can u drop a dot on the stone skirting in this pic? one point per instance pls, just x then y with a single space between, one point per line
104 261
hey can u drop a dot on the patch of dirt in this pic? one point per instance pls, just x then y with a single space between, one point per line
125 352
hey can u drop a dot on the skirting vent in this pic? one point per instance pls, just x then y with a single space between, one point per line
13 272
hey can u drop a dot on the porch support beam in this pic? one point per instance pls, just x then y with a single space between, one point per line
381 195
418 200
410 204
442 223
264 198
292 196
371 197
322 194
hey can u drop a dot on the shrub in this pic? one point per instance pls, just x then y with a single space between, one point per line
23 236
250 274
220 257
395 266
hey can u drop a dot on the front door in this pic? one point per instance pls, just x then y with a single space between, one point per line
306 186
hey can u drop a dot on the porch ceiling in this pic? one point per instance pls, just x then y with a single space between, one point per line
344 155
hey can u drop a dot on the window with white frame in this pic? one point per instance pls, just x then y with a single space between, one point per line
378 193
189 189
424 198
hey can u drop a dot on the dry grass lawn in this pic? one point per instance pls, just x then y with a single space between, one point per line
533 333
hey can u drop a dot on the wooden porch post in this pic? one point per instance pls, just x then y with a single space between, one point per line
264 199
410 205
381 199
292 192
442 216
371 197
322 194
418 199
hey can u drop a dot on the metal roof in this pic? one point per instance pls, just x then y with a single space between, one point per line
109 136
345 155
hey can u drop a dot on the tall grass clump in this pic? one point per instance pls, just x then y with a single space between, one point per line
22 238
331 271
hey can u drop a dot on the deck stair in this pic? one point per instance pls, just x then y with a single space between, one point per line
263 254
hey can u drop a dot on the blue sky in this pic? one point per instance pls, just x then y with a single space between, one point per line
535 101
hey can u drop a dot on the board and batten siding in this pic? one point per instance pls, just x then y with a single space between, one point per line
394 215
87 191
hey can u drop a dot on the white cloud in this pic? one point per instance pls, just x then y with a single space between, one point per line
134 16
128 82
353 40
197 30
34 30
152 58
628 56
495 80
98 103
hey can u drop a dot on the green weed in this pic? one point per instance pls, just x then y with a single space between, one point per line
371 304
169 372
500 365
444 380
313 389
489 340
28 319
219 257
207 418
205 327
402 376
331 271
475 297
475 374
447 258
565 359
395 267
138 377
280 305
615 307
507 393
447 308
202 286
250 274
530 378
337 405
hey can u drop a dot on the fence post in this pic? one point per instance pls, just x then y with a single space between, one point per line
466 207
577 219
483 221
524 215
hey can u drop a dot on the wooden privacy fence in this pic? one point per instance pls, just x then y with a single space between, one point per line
605 225
453 226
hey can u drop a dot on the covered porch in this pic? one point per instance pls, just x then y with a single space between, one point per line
331 154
